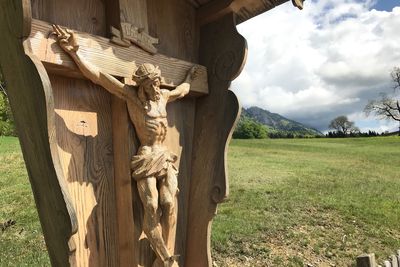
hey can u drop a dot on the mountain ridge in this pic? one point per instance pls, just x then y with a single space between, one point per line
278 122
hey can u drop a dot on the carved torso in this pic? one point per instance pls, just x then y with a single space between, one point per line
157 109
151 122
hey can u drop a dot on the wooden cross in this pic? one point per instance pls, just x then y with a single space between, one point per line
120 61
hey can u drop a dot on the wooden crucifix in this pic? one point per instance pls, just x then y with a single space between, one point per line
153 167
85 149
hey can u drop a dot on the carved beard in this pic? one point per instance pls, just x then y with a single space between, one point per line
147 92
152 93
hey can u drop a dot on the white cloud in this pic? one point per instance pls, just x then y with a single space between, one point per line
324 61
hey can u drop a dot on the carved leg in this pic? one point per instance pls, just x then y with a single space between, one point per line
168 192
149 195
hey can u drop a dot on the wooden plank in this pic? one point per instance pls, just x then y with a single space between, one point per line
394 260
127 200
83 116
110 58
134 12
32 104
174 23
366 260
398 256
178 33
223 50
84 137
243 9
125 147
123 181
85 16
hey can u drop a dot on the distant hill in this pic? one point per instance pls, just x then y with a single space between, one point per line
276 122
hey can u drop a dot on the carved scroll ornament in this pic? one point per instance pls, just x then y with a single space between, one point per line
130 33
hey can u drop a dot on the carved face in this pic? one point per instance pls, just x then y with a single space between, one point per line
152 88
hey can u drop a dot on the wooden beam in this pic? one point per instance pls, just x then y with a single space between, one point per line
110 58
244 9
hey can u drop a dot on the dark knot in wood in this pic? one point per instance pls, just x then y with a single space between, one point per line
225 65
217 194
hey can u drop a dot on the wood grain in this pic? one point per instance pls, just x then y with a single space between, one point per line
243 9
173 21
125 146
31 100
83 178
123 181
84 16
85 148
134 12
223 50
84 137
110 58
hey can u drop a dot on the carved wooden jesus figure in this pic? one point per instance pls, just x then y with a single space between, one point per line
153 165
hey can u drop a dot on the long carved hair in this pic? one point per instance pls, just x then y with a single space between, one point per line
144 75
143 94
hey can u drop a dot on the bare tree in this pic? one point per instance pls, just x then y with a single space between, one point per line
388 106
342 124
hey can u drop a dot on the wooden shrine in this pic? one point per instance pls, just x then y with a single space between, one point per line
123 113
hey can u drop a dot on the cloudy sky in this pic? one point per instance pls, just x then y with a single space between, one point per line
324 61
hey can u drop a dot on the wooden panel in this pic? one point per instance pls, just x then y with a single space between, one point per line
85 148
84 138
86 16
173 21
223 50
124 148
243 9
31 100
134 12
110 58
132 251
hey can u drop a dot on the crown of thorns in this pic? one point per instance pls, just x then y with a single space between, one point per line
146 71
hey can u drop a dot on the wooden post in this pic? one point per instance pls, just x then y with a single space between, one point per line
398 257
366 260
394 260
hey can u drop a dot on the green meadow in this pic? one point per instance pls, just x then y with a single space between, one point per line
292 202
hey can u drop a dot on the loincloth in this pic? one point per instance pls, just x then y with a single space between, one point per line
151 162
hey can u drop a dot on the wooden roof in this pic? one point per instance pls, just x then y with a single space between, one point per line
209 10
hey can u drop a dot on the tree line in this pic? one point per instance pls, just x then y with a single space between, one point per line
6 119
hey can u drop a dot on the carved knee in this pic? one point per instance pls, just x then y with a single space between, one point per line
168 206
150 208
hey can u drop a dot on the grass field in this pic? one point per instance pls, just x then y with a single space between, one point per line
309 201
21 244
292 202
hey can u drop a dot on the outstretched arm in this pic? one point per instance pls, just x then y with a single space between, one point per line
183 89
68 42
